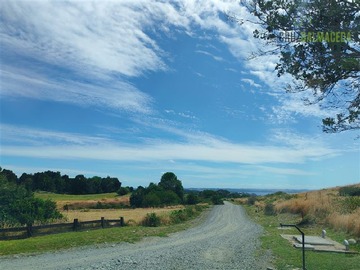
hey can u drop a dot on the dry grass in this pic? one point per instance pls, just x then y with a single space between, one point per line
323 207
78 204
132 215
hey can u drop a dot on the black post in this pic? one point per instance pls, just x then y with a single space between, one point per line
303 241
75 224
102 222
121 221
29 230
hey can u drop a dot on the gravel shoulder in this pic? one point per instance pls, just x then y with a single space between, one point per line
226 239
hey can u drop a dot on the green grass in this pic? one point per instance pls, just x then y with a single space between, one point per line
286 257
65 197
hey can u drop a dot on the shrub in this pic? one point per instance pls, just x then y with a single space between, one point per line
151 220
350 204
349 191
123 191
216 199
192 199
269 209
178 216
307 220
251 200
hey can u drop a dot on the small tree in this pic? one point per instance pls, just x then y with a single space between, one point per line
169 181
123 191
18 205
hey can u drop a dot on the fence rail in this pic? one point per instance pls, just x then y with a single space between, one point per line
76 225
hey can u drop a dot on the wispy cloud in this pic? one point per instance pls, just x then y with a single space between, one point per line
199 147
110 94
217 58
251 82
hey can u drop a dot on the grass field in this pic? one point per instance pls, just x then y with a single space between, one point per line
83 201
66 197
131 216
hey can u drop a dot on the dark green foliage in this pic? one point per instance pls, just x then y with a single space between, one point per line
151 199
151 220
350 191
169 181
169 191
54 182
9 175
211 196
350 204
137 197
192 198
327 69
19 206
123 191
182 215
217 199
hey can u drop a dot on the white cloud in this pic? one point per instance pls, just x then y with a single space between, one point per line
88 36
199 147
113 40
217 58
114 95
251 82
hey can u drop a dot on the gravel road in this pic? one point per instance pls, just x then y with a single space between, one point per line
226 239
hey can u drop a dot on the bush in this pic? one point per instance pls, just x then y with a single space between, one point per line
192 199
151 220
350 204
251 200
123 191
178 216
307 220
349 191
216 199
269 209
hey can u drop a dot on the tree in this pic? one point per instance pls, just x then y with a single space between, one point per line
137 197
319 45
123 191
169 181
18 205
9 175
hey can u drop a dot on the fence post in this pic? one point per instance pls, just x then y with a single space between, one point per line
121 221
75 224
102 222
29 230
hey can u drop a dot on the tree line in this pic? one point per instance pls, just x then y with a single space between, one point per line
169 191
63 184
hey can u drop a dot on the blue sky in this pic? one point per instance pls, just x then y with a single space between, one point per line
133 89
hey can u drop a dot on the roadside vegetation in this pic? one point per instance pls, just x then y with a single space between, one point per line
336 210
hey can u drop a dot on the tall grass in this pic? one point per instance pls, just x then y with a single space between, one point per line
325 207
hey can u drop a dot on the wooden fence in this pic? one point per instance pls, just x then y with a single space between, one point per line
76 225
